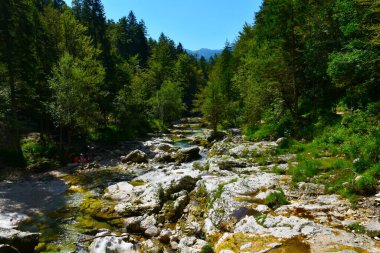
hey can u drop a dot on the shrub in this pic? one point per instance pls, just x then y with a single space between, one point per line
374 171
276 199
37 152
357 228
365 185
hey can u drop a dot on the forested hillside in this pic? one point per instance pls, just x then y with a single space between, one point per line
306 70
73 76
309 71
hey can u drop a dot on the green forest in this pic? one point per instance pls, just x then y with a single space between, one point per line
305 70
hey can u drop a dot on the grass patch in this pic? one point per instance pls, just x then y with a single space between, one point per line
208 248
201 166
305 170
276 199
357 228
279 170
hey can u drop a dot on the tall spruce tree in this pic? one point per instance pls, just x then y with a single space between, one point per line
18 63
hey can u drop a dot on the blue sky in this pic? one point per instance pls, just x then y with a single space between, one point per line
195 23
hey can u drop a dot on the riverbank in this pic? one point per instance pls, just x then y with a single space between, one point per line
183 192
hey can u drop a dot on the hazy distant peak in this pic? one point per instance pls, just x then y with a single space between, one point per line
205 52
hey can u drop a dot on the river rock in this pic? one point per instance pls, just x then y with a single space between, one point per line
228 197
163 157
112 244
12 220
152 231
164 147
119 191
280 226
136 156
373 228
165 235
5 248
133 224
188 154
191 245
149 198
281 141
24 242
147 222
173 209
216 136
310 189
150 246
229 163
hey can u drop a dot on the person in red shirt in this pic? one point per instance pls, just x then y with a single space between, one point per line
75 159
82 159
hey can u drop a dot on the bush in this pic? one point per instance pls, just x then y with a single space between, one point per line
37 152
356 227
276 199
374 171
365 185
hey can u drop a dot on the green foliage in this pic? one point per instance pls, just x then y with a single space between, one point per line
305 170
75 86
34 150
279 171
201 166
210 102
357 227
218 100
276 199
365 185
344 156
208 248
167 103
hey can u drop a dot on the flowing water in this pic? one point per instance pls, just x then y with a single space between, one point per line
61 205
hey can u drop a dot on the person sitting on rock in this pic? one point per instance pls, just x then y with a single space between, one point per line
82 159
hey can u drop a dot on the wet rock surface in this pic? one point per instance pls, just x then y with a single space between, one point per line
187 192
18 241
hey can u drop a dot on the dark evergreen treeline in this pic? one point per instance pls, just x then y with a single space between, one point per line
297 65
71 75
310 71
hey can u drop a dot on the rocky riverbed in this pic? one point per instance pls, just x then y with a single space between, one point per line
182 192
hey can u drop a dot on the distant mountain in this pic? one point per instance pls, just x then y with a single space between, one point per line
206 53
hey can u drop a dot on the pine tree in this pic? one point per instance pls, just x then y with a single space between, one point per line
18 62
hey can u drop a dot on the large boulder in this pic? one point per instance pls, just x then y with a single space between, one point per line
112 244
231 197
119 191
216 136
163 157
373 228
136 156
229 163
152 232
12 220
133 224
22 241
158 188
187 154
5 248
